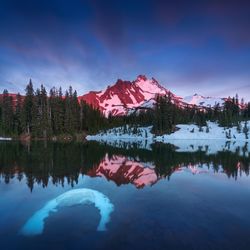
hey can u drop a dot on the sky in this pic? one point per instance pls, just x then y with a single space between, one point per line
188 46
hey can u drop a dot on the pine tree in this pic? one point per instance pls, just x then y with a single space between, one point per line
60 111
75 109
28 108
18 115
207 129
7 114
41 118
246 130
248 110
72 112
67 118
56 111
238 127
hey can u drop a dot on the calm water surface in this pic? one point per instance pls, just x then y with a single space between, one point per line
95 196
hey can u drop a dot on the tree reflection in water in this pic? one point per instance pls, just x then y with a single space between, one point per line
58 163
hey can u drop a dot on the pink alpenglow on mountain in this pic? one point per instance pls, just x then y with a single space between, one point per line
202 101
123 96
126 96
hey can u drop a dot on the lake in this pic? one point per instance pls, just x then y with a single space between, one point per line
100 196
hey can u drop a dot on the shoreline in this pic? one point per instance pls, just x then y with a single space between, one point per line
59 138
184 132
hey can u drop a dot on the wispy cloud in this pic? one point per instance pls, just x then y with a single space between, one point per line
192 45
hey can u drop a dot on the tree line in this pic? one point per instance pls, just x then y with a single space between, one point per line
40 115
65 163
165 115
43 115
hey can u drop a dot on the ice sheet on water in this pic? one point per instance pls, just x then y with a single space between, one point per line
35 225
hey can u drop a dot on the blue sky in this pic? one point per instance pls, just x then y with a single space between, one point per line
189 46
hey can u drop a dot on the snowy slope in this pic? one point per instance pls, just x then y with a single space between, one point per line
183 132
123 96
215 133
186 138
202 101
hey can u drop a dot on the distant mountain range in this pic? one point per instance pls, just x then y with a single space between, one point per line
124 97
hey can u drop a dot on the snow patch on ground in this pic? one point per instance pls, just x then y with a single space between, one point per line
215 132
199 100
187 137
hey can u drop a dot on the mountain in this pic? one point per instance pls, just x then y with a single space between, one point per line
14 98
202 101
123 96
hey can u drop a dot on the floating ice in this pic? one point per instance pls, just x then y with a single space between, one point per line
35 225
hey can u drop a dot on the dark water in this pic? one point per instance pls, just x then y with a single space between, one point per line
92 196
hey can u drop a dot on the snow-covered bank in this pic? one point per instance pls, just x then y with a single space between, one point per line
186 138
5 139
124 133
184 132
212 132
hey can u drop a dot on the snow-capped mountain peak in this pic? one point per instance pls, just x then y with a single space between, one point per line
125 97
117 99
203 101
150 86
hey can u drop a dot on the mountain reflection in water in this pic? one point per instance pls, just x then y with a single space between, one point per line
58 163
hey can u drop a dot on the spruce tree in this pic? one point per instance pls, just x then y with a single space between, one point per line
75 110
28 108
7 114
41 121
68 115
246 130
18 115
